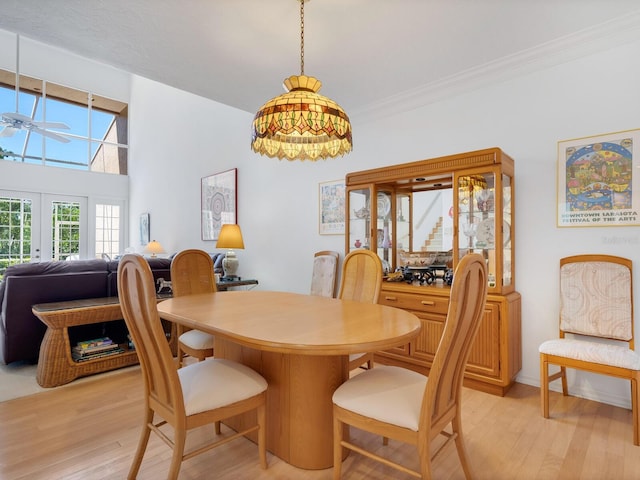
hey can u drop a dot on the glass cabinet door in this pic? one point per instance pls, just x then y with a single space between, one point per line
478 222
507 232
359 215
384 229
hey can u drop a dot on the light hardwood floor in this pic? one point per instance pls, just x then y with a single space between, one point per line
90 431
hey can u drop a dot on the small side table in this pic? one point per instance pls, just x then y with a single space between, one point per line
223 285
55 363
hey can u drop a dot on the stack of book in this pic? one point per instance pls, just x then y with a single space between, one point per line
96 348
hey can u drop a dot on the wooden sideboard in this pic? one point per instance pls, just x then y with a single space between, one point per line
495 357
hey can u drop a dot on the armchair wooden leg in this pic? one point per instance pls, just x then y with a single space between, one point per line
338 432
563 374
456 426
544 385
142 445
635 402
178 453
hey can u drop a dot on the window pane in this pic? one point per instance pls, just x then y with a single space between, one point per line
108 158
74 116
74 154
100 125
107 231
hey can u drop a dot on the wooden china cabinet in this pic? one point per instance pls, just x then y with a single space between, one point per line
421 218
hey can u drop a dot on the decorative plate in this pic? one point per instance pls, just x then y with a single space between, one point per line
486 233
384 205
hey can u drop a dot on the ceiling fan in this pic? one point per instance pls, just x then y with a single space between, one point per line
13 122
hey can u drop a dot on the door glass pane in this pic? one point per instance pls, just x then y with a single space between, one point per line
15 232
107 231
66 231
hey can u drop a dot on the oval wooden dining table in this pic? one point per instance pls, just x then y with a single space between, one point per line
300 344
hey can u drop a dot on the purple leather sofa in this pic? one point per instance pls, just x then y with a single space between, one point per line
27 284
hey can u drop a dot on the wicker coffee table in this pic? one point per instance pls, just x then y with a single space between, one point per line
55 363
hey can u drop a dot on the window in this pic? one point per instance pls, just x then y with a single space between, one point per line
96 139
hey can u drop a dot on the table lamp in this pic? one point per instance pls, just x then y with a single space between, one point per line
154 248
230 237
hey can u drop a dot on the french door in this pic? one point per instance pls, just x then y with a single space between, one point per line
38 227
64 227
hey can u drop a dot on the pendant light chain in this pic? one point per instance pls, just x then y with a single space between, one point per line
302 37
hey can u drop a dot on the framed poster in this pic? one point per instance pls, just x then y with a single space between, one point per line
332 205
145 229
218 201
598 180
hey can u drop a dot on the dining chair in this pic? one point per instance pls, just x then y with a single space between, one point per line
192 273
361 281
596 326
325 273
404 405
183 398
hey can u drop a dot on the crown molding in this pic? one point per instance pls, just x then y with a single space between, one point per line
610 34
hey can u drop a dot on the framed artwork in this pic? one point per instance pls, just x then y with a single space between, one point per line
145 229
219 201
598 180
332 205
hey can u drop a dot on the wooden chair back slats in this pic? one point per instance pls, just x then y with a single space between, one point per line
361 277
192 273
466 308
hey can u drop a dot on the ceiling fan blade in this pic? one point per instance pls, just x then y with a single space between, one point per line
8 131
47 133
54 125
12 116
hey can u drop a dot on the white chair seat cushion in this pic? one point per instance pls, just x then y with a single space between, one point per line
216 382
389 394
602 353
196 339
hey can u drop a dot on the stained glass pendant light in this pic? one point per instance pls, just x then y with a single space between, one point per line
301 124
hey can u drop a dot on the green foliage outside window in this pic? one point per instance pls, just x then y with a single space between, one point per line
15 232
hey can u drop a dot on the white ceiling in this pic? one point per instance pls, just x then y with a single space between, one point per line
365 52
